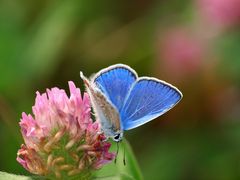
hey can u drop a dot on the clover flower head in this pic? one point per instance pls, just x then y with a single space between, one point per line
61 140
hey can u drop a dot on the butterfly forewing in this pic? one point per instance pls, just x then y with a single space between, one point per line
115 82
148 99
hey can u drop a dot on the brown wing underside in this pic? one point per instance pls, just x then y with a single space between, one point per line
109 111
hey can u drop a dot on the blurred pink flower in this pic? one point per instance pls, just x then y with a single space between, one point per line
181 53
61 139
220 12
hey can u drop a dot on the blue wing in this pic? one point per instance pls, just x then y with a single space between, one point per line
115 82
148 99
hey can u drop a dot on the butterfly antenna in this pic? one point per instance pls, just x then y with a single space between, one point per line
116 153
124 155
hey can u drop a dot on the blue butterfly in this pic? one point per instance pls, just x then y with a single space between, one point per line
121 100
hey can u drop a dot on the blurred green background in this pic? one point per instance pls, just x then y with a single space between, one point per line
193 44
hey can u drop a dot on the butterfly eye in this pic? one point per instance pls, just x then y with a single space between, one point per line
117 137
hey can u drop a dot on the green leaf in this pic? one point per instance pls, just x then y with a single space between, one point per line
4 175
128 171
118 177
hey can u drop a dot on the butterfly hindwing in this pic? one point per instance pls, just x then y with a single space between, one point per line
115 82
148 99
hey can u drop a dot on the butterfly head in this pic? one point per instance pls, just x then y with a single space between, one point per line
117 137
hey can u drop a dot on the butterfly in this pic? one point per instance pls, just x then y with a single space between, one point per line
122 101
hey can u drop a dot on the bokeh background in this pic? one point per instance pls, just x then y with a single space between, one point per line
193 44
